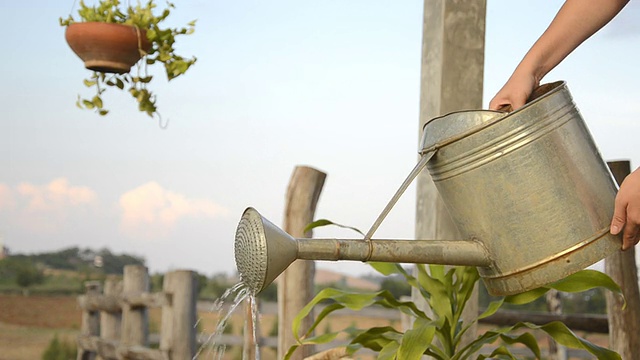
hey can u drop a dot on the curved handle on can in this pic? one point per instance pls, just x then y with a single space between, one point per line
426 156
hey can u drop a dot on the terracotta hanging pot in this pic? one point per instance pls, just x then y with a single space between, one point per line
105 47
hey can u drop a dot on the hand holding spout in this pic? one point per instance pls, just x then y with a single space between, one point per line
627 211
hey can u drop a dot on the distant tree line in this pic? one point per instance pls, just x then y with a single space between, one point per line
81 260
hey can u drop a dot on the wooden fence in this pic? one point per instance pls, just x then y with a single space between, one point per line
115 322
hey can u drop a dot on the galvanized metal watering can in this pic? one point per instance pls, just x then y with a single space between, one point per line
528 190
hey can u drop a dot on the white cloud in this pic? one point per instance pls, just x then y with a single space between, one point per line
150 211
44 208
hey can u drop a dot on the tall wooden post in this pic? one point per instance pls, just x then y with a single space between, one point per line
451 79
135 320
295 285
624 324
178 334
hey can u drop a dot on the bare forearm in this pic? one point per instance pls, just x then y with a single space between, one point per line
576 21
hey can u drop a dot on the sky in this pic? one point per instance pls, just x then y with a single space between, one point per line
329 84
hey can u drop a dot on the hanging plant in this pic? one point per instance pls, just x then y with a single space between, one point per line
110 39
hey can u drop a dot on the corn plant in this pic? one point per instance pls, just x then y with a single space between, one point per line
446 291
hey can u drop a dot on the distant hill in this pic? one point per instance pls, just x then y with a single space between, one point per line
76 259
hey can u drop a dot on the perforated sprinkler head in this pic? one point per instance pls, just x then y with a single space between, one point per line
262 250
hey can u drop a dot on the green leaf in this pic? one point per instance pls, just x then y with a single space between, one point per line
416 341
388 352
377 338
561 333
97 101
501 350
527 296
89 83
585 280
88 104
290 352
387 268
325 222
493 307
321 339
525 339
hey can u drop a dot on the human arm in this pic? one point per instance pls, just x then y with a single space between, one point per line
575 22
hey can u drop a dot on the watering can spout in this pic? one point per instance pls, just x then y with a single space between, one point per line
263 251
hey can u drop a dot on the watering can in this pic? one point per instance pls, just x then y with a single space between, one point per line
528 191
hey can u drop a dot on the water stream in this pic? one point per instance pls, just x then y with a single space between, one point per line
211 347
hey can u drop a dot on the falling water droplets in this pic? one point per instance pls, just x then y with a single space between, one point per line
211 347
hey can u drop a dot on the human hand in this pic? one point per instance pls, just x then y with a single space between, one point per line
627 211
515 92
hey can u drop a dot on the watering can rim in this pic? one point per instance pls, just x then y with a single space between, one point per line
541 92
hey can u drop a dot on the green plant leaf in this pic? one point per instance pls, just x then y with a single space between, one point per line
290 352
388 352
501 351
321 339
525 339
325 222
88 104
585 280
493 307
89 83
561 333
387 268
416 340
527 296
377 338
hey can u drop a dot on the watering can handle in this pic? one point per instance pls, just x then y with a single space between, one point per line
416 170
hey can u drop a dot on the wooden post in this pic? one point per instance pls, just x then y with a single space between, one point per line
451 79
295 285
179 315
135 320
90 320
110 322
624 324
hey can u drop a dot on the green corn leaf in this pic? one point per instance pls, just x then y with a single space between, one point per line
321 339
387 269
525 339
493 307
585 280
324 313
416 341
290 352
499 353
388 352
325 222
561 333
377 338
526 297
